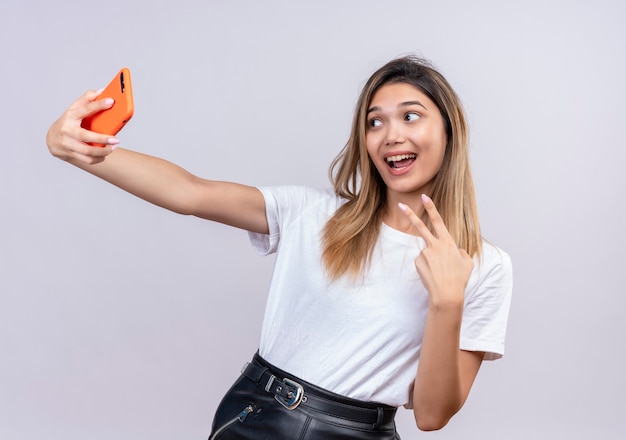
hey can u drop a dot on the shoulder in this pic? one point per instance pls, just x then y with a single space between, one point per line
299 196
492 255
297 191
493 268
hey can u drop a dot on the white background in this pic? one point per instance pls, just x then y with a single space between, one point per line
119 320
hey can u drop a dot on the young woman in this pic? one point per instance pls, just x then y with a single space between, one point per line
384 293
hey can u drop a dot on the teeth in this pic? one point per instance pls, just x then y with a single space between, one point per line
400 157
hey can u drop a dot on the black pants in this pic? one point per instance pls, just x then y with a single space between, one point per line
249 412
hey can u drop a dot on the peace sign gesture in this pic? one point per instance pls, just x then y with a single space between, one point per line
442 266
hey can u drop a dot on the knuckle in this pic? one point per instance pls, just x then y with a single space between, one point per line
64 131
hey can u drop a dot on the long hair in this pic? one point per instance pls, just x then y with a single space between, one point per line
350 235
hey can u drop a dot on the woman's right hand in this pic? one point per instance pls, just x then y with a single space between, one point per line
67 140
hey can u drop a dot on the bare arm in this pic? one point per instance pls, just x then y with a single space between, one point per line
445 373
153 179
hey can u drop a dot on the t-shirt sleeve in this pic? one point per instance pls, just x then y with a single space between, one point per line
487 305
285 205
266 244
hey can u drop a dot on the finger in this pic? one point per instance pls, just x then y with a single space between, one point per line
86 98
439 227
85 109
466 257
89 160
87 153
422 229
72 129
92 137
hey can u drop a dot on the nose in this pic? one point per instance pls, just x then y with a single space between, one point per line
394 134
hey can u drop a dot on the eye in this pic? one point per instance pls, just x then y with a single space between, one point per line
411 116
374 123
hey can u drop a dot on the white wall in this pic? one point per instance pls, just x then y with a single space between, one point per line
120 320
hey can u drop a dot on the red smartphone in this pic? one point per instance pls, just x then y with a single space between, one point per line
112 120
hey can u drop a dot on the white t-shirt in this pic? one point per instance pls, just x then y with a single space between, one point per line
362 339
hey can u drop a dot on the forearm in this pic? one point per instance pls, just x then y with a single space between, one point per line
155 180
438 392
445 373
167 185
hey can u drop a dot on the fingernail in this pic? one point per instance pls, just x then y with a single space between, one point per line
114 147
402 206
109 101
425 198
100 90
113 141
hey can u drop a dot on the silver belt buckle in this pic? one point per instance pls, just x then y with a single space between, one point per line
294 398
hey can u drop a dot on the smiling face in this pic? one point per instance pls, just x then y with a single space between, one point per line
406 139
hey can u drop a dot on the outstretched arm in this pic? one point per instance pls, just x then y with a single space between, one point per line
155 180
445 373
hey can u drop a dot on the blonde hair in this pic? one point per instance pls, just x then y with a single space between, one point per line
350 235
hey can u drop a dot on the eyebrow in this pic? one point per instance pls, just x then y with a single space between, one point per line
403 104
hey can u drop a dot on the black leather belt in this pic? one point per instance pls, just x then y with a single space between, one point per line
291 392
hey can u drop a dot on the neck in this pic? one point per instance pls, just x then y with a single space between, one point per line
397 219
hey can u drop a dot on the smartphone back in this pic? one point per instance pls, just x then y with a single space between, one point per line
112 120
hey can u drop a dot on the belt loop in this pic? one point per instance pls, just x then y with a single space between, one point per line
379 417
268 387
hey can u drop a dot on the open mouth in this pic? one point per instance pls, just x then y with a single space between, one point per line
400 161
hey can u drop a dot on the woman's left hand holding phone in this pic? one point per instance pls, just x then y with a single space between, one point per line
68 141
